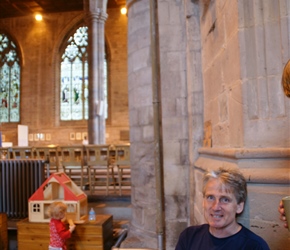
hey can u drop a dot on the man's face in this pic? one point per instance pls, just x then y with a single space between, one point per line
220 206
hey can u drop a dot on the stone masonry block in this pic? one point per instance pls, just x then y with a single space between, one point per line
231 57
173 37
176 61
141 98
135 134
223 107
252 98
145 116
140 59
171 174
174 228
163 13
176 13
276 98
175 207
149 218
174 128
139 8
273 48
169 89
148 133
169 107
172 151
138 21
143 78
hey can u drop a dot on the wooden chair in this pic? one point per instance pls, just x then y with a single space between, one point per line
122 161
4 153
22 153
72 162
50 154
101 172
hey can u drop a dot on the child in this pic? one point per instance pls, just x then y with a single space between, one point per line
58 232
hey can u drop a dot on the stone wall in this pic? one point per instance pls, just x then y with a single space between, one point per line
220 74
39 44
245 47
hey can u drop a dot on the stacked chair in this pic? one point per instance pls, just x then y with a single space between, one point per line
100 169
98 166
122 161
72 163
50 154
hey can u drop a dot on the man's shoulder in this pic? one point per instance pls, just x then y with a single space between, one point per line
253 238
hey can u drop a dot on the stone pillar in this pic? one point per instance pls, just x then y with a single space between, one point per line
96 16
181 101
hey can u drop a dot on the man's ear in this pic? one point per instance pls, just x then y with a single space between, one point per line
240 207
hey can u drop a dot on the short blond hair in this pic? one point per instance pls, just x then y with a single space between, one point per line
232 179
56 210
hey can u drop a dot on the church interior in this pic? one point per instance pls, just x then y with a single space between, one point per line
161 94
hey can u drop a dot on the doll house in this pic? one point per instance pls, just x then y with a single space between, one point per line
57 187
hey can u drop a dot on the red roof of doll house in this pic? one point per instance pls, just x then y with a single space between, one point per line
71 191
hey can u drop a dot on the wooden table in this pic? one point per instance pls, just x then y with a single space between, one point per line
97 235
3 231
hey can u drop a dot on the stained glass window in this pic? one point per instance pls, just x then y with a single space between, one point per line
74 77
9 80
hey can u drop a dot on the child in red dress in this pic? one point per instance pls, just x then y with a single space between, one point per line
58 232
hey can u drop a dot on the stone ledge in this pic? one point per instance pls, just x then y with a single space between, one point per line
269 165
247 153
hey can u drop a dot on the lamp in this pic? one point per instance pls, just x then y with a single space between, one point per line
38 17
123 10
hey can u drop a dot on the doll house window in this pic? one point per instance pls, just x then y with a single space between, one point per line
9 80
36 208
71 208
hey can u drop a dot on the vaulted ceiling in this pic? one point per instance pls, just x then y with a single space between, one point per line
17 8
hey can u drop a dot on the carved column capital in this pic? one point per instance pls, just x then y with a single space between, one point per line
99 16
94 5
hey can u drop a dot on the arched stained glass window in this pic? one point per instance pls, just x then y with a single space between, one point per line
74 77
9 80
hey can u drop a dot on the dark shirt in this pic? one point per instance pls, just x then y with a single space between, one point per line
199 237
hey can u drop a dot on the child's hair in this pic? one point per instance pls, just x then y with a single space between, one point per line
56 210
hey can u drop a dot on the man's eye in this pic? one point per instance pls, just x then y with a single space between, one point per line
210 198
225 200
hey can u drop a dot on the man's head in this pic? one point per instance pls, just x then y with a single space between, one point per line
225 193
232 180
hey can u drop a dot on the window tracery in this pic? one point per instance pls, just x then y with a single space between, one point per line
74 77
9 80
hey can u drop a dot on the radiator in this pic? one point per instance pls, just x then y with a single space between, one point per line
19 179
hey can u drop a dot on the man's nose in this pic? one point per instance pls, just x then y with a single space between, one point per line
216 205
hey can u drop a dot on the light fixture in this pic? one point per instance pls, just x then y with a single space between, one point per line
38 17
123 10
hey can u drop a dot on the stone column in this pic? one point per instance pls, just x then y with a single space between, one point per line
96 16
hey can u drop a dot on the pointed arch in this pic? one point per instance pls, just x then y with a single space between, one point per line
72 73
